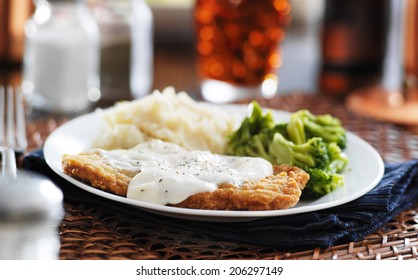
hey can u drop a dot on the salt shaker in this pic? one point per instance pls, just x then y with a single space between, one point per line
61 59
30 212
126 57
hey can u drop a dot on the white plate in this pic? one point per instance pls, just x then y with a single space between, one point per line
364 172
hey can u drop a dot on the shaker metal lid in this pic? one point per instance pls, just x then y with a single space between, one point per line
29 198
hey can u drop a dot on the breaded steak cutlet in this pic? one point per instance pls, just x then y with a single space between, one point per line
281 190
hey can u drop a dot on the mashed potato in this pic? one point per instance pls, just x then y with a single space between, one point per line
169 117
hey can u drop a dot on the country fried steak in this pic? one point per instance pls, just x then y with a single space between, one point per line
281 190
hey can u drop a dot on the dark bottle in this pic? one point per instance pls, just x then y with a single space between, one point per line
353 44
13 15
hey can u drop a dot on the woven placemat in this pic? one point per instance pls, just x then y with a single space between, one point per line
91 232
94 233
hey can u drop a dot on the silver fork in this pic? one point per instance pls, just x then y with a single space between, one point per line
12 129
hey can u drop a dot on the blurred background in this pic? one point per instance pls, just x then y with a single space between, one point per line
326 43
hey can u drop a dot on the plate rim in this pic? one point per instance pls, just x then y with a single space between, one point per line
201 214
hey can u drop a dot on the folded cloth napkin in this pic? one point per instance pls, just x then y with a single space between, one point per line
397 191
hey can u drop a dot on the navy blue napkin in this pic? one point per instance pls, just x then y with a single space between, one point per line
397 191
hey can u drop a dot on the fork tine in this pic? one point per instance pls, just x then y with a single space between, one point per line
2 132
7 143
21 139
11 143
2 106
9 163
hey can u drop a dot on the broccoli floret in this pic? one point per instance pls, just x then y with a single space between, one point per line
325 126
312 154
328 178
257 146
280 128
252 125
322 161
321 183
255 134
296 129
338 160
258 121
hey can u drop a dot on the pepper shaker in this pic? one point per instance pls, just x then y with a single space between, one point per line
126 53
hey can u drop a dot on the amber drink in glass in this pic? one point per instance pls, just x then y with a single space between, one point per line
237 45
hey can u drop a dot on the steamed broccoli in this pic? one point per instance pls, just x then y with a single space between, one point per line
321 183
304 125
338 160
256 146
313 143
255 134
312 154
327 179
323 162
250 127
296 129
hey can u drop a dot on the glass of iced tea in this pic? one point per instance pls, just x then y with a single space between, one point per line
238 47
